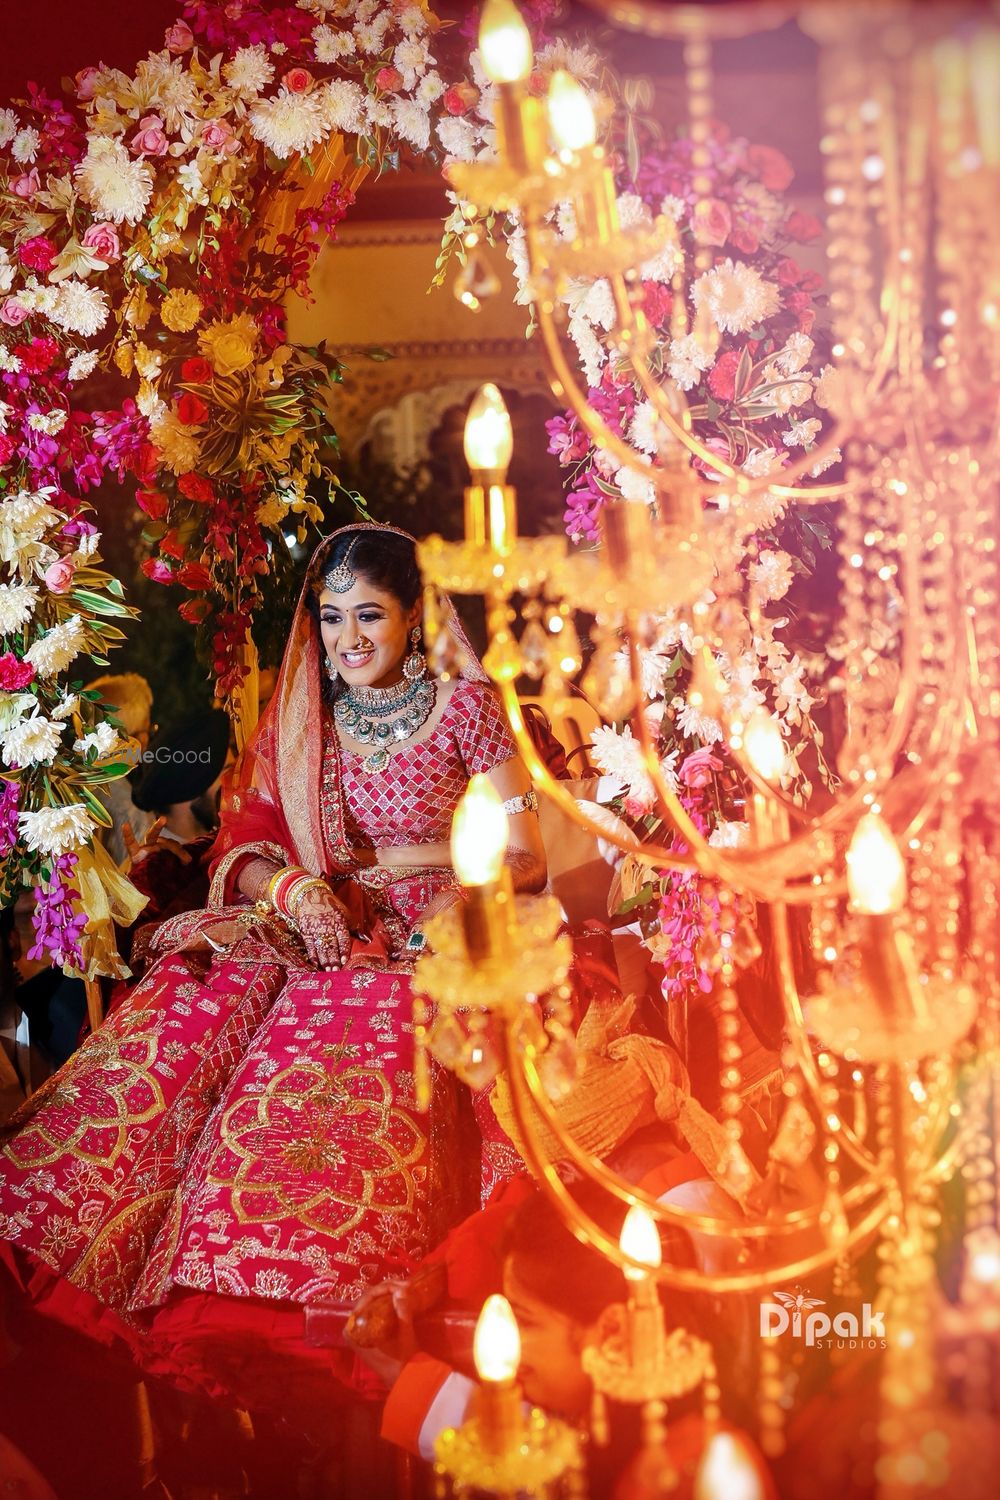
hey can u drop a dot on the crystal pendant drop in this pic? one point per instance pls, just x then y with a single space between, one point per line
565 648
503 659
476 282
535 649
445 657
608 681
796 1136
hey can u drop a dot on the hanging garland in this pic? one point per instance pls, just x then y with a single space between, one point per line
153 225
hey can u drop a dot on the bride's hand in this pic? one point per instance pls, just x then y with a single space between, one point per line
323 927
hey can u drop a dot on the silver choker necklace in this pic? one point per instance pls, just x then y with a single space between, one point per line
384 716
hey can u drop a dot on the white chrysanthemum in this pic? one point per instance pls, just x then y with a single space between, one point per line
289 124
7 271
821 466
458 137
730 836
34 297
633 487
33 742
149 403
581 61
378 113
49 422
14 708
103 738
735 295
24 520
693 724
26 144
82 365
619 755
5 411
648 433
674 208
332 45
370 35
761 461
652 667
772 573
115 186
412 57
592 352
9 363
633 212
413 122
429 89
249 71
57 648
178 447
781 392
802 434
8 126
80 308
687 362
413 21
664 264
56 830
795 355
343 106
592 300
67 705
17 604
829 387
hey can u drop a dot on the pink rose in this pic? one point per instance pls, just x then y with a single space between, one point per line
218 136
637 807
102 239
12 313
14 674
156 570
787 272
298 80
58 576
711 222
699 768
150 139
460 98
178 38
745 238
803 227
86 81
388 80
37 254
772 167
27 185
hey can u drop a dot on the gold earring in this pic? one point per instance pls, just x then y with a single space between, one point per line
415 664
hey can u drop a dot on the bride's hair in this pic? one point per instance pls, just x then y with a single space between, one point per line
384 558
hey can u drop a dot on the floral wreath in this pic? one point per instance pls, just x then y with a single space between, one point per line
132 243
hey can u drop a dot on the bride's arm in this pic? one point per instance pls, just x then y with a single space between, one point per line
254 877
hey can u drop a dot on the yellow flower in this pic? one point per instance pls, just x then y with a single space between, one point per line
230 346
180 310
124 358
271 512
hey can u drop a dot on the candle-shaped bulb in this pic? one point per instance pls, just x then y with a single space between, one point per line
479 834
571 115
489 437
876 875
727 1471
496 1347
504 43
764 746
640 1239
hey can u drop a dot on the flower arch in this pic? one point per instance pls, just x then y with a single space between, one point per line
153 225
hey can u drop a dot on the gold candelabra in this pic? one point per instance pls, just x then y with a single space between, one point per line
898 870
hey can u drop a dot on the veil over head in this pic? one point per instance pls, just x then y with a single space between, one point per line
272 796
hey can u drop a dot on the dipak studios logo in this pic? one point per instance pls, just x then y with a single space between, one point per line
795 1312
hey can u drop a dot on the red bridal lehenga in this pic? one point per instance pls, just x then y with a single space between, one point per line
240 1138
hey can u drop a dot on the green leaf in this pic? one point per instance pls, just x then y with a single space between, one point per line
99 605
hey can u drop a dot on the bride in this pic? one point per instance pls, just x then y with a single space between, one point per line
241 1137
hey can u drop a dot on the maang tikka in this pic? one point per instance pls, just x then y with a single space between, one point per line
340 580
415 664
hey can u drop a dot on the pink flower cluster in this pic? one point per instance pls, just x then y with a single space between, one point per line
57 926
9 795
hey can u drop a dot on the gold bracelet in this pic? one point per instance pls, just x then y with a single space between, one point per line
283 874
307 883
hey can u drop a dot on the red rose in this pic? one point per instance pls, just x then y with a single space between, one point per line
196 371
8 447
153 503
803 227
745 239
657 301
805 320
157 570
172 546
194 576
37 254
772 167
191 410
101 239
722 377
298 80
811 281
798 301
194 610
14 674
39 355
460 98
711 222
788 272
388 80
196 487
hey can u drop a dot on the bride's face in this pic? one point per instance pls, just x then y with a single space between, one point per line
366 633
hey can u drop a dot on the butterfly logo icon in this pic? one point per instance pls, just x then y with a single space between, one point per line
797 1303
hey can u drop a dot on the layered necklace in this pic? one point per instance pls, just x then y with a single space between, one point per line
384 716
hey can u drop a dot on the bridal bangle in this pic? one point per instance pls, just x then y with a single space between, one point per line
281 883
304 884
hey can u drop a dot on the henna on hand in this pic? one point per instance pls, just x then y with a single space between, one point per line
323 928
